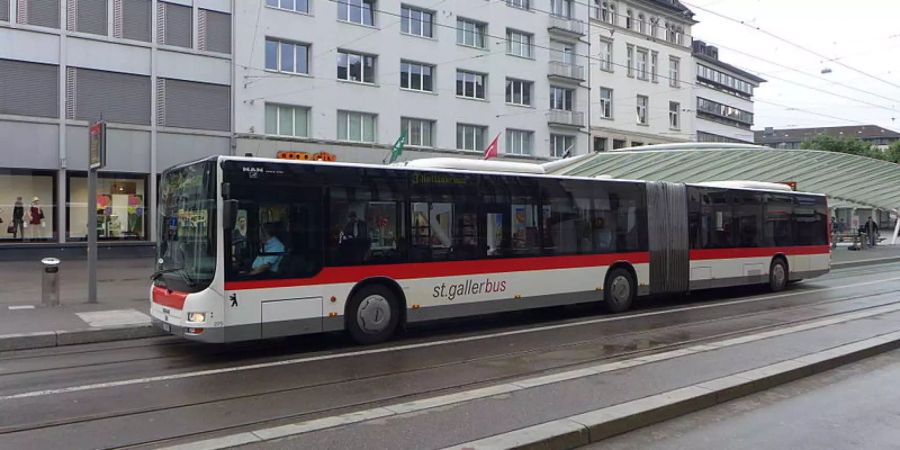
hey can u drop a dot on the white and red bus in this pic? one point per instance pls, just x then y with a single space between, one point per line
252 248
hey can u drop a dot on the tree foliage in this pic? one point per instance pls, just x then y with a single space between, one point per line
853 146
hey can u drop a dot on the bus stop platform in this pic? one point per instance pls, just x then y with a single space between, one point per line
122 309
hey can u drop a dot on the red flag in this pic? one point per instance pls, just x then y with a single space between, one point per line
491 150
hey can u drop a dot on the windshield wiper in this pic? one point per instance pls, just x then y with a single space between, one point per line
179 270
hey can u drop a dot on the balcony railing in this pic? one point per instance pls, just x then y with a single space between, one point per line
566 70
566 25
562 117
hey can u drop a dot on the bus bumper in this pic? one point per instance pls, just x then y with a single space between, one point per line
210 335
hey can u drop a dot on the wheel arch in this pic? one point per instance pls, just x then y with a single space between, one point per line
387 282
622 265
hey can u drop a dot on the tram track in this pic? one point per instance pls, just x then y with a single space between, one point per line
870 299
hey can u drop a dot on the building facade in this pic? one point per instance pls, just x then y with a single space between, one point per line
350 77
642 75
159 72
724 98
878 137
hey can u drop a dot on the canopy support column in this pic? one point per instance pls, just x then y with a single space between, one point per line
896 228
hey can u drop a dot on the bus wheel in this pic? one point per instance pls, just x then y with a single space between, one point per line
778 275
619 291
372 315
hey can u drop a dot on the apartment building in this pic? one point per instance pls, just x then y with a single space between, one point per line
159 72
724 98
641 75
349 77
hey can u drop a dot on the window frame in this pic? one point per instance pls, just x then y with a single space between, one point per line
519 142
350 115
478 132
524 86
405 126
555 140
363 59
408 76
461 84
346 8
606 103
567 100
279 51
466 28
294 9
519 43
606 55
278 122
674 115
674 72
407 20
643 107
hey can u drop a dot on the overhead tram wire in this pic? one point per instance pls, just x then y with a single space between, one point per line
793 44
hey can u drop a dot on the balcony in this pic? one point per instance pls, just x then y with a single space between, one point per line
559 69
566 118
566 25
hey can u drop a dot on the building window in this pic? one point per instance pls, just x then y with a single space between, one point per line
629 19
175 25
721 79
642 103
357 11
642 24
519 142
286 120
356 127
470 84
214 31
132 20
29 200
195 105
419 132
355 67
290 5
561 145
738 117
606 103
606 56
416 76
561 8
42 13
87 17
519 44
642 58
600 144
521 4
674 72
416 22
287 57
121 205
470 137
470 33
675 115
29 89
561 98
518 92
630 60
654 27
117 97
654 67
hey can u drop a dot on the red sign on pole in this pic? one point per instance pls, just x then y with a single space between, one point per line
97 145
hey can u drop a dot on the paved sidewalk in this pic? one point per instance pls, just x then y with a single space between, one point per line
123 287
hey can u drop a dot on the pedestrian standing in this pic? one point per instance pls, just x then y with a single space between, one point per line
872 231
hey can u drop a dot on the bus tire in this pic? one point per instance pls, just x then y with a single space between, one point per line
373 314
778 275
619 290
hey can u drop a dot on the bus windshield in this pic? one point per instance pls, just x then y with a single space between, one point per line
186 249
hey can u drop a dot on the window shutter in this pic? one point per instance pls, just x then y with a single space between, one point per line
215 31
189 104
71 92
4 10
42 13
132 18
116 97
29 89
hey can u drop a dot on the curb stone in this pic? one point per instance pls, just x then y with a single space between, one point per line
44 339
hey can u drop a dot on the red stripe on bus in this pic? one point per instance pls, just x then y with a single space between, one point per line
734 253
334 275
165 297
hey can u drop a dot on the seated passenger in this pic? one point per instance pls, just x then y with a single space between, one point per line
272 252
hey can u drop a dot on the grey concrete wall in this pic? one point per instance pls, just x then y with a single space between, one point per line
29 145
175 149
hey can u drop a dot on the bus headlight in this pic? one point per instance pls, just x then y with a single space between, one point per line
196 317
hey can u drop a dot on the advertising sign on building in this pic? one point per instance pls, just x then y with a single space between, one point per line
97 145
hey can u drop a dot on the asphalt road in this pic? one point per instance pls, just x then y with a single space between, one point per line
149 392
852 407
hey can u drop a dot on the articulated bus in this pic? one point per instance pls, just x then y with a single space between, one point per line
254 248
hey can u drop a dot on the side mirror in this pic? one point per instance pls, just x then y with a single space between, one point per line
229 214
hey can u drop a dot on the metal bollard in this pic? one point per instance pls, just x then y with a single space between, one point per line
50 282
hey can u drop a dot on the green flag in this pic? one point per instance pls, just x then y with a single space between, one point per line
397 149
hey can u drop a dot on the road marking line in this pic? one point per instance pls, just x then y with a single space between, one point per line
480 337
506 388
590 421
20 307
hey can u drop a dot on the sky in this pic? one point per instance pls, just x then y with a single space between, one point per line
860 41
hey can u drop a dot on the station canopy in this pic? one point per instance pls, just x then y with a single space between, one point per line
850 181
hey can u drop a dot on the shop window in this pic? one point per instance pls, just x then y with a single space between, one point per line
27 202
121 207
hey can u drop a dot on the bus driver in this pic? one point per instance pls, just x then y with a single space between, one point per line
272 252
